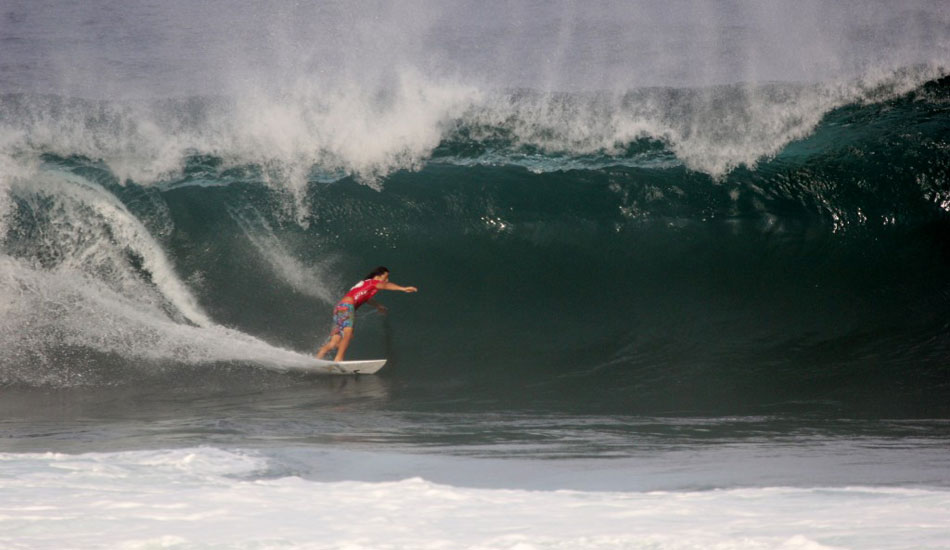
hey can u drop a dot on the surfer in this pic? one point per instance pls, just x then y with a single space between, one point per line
344 312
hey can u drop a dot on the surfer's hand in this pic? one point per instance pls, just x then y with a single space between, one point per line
410 289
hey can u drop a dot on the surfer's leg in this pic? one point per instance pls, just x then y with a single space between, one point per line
344 343
331 344
343 315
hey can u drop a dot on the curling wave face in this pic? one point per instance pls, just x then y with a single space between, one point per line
803 262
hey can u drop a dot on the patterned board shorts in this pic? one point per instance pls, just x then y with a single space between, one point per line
343 315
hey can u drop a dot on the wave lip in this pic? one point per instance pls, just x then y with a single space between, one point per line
369 134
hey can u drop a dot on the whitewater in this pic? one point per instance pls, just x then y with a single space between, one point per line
208 498
684 275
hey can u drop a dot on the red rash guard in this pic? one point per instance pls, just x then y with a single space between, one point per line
363 291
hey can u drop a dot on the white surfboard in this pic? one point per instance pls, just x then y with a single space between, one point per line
344 367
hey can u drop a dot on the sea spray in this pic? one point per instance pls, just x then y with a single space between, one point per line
310 280
82 273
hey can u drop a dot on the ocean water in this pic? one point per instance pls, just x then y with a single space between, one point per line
684 275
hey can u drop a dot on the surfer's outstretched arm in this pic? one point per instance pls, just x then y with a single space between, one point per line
393 286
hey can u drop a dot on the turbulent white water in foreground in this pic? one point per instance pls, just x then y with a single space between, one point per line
213 498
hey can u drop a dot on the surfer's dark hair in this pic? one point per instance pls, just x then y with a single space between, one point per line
378 271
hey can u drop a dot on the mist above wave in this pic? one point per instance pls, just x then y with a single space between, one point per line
358 88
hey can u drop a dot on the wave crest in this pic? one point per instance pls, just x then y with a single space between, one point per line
330 131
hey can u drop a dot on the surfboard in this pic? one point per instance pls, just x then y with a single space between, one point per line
344 367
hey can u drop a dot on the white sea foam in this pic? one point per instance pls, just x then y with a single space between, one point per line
213 498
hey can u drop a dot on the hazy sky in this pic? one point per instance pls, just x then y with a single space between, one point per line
135 47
